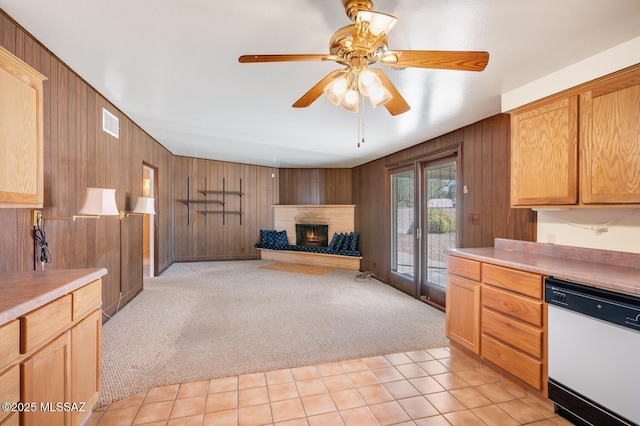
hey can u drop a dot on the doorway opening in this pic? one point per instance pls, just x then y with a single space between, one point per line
148 227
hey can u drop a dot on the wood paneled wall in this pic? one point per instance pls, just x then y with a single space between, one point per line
315 186
79 154
484 156
201 237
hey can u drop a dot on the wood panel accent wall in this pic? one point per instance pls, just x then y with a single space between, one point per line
340 218
315 186
78 154
484 156
200 237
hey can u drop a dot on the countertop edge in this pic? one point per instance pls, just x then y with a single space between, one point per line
35 302
570 270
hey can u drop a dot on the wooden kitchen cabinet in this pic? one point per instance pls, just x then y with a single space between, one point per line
499 313
86 358
610 142
46 378
463 302
544 160
21 134
9 368
52 354
513 325
580 147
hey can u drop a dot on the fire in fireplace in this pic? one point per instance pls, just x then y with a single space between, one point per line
312 235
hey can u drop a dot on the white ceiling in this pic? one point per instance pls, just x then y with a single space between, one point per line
172 66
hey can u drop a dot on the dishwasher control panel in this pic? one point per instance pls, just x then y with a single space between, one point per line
616 308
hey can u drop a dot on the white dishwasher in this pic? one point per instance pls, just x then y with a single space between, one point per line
594 354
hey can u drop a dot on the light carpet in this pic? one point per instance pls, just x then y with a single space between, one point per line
207 320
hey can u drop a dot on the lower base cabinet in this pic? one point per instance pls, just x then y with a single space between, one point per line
499 314
50 361
86 349
46 380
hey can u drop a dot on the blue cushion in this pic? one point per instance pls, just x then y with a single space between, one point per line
334 240
338 245
271 238
280 239
267 238
345 242
353 243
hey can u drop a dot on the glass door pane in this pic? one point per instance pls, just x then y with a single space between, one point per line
440 234
403 223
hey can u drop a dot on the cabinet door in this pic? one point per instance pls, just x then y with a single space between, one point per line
45 379
610 142
544 164
86 338
463 312
21 134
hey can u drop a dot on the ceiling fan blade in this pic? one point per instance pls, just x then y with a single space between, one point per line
397 105
317 90
439 59
284 58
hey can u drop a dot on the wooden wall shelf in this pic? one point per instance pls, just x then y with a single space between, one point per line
224 212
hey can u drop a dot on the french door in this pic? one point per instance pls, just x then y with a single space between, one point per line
438 211
423 226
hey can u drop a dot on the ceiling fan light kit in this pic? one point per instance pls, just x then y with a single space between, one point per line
359 45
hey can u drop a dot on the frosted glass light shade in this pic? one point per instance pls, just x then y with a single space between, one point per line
144 205
368 81
351 101
379 95
100 202
336 90
379 23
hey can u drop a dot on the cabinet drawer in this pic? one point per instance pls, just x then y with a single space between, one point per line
44 323
10 338
9 388
521 282
463 267
516 306
524 337
87 299
522 366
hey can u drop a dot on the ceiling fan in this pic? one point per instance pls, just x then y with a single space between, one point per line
359 45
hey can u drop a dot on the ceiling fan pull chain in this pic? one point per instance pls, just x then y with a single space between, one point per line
361 120
363 107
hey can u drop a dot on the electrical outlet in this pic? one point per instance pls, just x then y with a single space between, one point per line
473 218
36 217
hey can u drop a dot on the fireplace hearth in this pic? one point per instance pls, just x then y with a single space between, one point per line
315 235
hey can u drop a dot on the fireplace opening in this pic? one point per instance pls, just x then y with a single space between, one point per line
312 235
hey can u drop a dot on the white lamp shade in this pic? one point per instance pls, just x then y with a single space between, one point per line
100 202
144 205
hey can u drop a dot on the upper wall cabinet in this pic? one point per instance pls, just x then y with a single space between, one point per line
595 126
21 134
544 164
610 143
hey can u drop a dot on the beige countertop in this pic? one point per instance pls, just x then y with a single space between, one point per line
598 268
22 292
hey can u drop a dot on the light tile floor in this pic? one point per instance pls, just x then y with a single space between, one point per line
433 387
